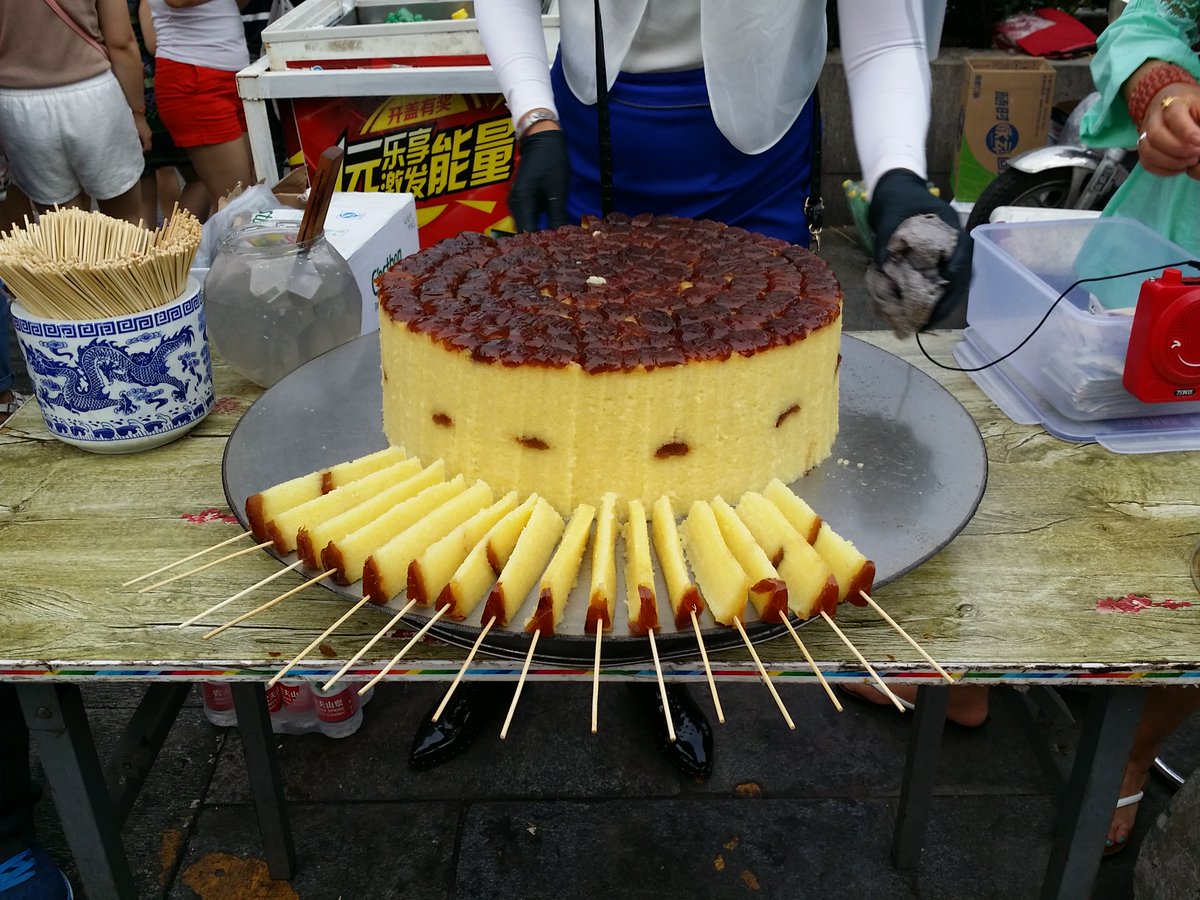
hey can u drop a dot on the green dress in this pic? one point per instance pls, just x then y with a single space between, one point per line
1147 29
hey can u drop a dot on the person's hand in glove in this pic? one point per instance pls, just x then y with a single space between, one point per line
540 185
922 264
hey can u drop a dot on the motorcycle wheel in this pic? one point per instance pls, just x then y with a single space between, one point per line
1048 189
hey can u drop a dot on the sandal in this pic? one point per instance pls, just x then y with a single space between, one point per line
7 409
1110 848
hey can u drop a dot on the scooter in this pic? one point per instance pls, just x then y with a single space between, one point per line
1063 175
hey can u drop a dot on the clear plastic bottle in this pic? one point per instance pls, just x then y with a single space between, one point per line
273 302
218 703
339 711
297 713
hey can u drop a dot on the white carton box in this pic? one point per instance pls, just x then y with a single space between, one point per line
373 231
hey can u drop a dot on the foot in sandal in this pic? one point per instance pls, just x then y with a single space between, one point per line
1133 782
967 706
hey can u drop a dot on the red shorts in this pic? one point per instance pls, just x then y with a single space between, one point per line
198 105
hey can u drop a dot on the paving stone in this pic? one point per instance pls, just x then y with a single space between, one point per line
372 851
155 833
549 752
639 848
985 848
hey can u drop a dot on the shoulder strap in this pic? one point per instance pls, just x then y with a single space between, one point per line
814 206
74 26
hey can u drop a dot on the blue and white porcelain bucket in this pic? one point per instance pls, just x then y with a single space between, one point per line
118 385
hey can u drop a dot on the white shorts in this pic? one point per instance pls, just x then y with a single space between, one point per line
77 138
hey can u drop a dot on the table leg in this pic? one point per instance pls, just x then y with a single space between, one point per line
1087 804
266 784
56 719
920 774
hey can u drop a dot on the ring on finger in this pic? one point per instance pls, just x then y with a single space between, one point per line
1167 101
1141 138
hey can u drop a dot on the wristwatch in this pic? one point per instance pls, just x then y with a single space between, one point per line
533 116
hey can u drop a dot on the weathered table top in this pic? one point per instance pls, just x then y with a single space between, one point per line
1026 592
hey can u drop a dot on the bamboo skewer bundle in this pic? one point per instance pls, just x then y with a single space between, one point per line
72 264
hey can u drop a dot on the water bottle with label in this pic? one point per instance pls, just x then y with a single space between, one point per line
218 703
339 711
297 714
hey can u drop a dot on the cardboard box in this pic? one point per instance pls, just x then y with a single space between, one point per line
1005 112
372 231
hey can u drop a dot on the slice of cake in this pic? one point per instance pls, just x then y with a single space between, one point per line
527 562
485 561
602 593
385 573
854 572
681 590
348 554
562 573
284 528
430 572
314 537
641 601
722 580
801 516
768 591
811 584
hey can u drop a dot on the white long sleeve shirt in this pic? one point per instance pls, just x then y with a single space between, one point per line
761 62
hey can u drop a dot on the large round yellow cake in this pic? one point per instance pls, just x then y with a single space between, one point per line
648 356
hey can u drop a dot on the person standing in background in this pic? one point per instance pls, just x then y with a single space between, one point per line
201 46
169 177
72 107
1147 71
711 112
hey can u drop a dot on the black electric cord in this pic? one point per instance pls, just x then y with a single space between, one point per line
1195 264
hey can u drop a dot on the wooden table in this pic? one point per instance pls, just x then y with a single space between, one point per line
1019 597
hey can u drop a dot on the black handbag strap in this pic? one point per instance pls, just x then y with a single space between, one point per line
603 128
814 206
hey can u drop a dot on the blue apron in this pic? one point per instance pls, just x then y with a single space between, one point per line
669 157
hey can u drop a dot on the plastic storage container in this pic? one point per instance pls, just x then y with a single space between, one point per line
1076 358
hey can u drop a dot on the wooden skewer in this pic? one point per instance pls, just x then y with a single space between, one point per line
662 686
808 656
596 680
208 565
411 641
254 612
887 692
242 593
437 713
763 672
368 645
512 707
324 634
712 684
904 634
179 562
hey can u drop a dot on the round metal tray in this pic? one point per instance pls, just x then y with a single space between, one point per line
906 474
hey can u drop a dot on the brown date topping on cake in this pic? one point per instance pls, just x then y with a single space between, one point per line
613 294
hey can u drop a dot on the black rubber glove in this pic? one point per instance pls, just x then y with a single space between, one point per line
901 194
540 185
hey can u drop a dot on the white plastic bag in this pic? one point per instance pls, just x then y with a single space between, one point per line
237 212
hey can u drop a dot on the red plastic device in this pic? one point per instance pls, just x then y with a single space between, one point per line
1162 361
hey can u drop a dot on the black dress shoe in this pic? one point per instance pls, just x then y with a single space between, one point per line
692 750
463 719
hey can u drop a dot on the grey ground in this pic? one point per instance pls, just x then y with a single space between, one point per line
554 812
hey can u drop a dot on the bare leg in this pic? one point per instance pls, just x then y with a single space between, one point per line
150 192
127 206
1166 708
222 166
967 706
